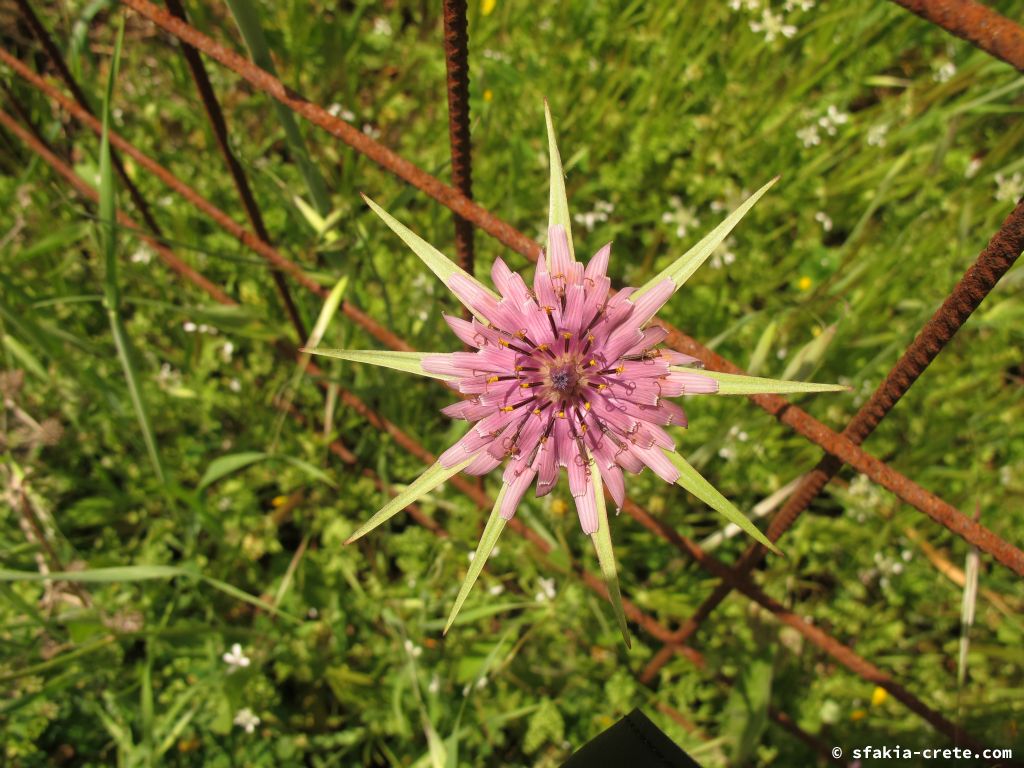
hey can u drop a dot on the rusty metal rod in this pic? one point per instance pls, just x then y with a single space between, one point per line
340 450
220 132
784 411
994 261
977 24
456 58
55 56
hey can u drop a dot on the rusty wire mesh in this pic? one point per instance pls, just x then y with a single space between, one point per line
967 19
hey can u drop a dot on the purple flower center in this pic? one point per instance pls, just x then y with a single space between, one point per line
564 379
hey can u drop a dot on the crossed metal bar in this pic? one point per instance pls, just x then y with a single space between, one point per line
992 263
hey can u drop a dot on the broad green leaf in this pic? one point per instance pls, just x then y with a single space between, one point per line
680 270
420 487
436 261
736 384
558 204
495 525
410 362
225 465
691 480
605 555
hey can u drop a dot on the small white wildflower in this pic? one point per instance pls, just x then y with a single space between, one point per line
944 73
142 255
482 682
803 5
168 376
339 111
189 327
772 25
832 119
227 349
236 659
547 590
434 686
382 26
876 134
1011 189
412 649
247 719
591 219
493 55
369 130
744 5
224 504
907 555
496 589
312 613
235 385
727 453
681 216
781 353
823 218
809 136
972 168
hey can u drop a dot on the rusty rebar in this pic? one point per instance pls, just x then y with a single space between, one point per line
977 24
994 261
215 115
456 59
784 411
477 494
55 56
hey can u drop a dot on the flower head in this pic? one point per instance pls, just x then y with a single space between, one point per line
236 658
566 374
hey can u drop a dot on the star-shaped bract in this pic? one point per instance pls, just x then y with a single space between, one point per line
566 375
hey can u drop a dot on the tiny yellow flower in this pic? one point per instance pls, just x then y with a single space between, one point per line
487 7
488 95
858 714
805 283
878 696
559 507
816 331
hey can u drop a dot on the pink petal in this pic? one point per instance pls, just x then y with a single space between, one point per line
691 384
598 265
647 306
481 464
658 462
678 358
516 484
575 305
474 296
559 255
470 410
586 508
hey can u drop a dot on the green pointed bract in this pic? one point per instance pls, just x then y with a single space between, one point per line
737 384
680 270
436 261
691 480
495 525
410 362
558 204
605 556
419 488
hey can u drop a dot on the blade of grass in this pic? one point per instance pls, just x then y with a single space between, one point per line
108 243
248 20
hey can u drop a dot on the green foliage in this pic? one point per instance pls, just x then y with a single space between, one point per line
668 114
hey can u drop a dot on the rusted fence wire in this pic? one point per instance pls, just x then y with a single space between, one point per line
840 448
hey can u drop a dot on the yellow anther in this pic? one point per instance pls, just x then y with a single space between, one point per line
520 334
583 428
536 411
602 386
502 342
492 379
519 367
507 408
525 385
592 363
590 337
543 348
561 414
586 406
566 335
620 369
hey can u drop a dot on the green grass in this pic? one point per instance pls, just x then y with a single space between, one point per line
651 101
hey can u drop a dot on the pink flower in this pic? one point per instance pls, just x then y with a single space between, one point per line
568 375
